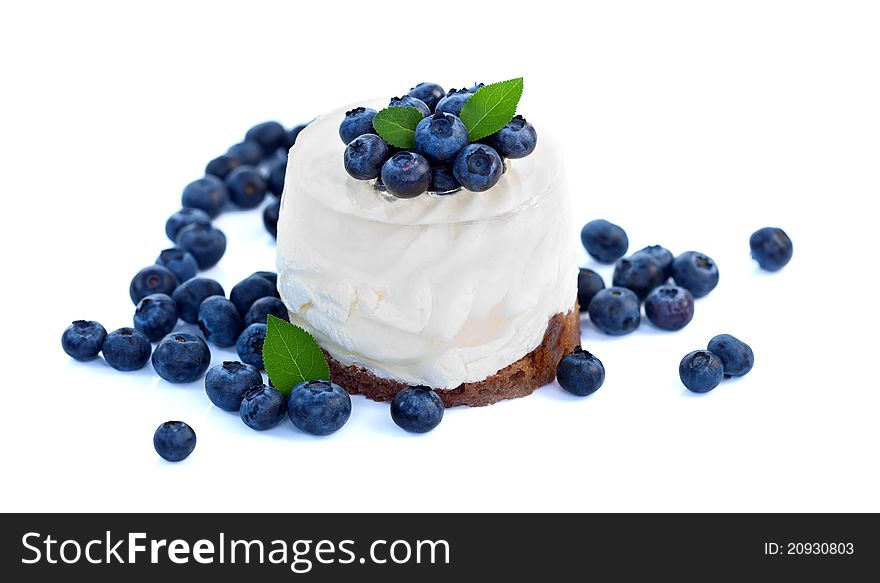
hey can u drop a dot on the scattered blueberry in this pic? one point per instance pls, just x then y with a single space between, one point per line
589 284
615 311
250 345
270 217
736 356
440 137
604 241
219 321
174 441
478 167
364 156
249 290
771 248
270 135
417 409
406 174
82 340
319 407
222 165
639 273
189 296
670 307
179 262
270 276
226 383
357 122
661 255
154 279
517 139
292 134
410 101
155 316
701 371
262 407
260 309
454 101
181 358
443 180
206 243
126 349
429 93
207 194
580 373
276 170
247 187
696 272
249 152
183 218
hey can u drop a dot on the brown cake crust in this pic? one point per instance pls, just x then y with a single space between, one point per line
521 378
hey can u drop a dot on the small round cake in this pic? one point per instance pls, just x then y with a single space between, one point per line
471 293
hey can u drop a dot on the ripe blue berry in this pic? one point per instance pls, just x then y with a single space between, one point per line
219 321
661 255
410 101
357 122
190 294
183 218
615 311
440 137
269 276
249 152
154 279
262 407
207 194
639 273
771 248
181 358
454 101
270 217
226 383
604 241
270 135
429 93
406 174
478 167
82 340
260 309
155 316
126 349
319 407
417 409
247 187
580 373
276 171
292 134
736 356
222 165
364 156
249 290
701 371
179 262
205 242
174 441
517 139
589 284
696 272
670 307
443 180
250 345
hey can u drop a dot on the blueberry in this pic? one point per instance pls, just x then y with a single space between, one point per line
183 218
207 194
249 152
247 187
580 373
262 407
249 290
364 156
222 165
604 241
181 358
174 441
410 101
670 307
615 311
589 284
155 316
736 356
639 273
319 407
429 93
661 255
270 217
82 340
454 101
206 243
443 180
219 321
357 122
189 296
270 135
478 167
270 276
771 248
154 279
250 345
406 174
276 170
515 140
226 383
417 409
476 87
696 272
292 134
260 309
440 137
701 371
179 262
126 349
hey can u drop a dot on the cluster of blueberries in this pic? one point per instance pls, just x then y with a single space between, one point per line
443 160
644 277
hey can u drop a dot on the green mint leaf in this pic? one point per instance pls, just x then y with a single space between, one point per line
491 108
397 125
292 356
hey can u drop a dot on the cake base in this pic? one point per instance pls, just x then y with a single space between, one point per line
519 379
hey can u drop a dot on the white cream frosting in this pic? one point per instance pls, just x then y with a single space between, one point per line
435 290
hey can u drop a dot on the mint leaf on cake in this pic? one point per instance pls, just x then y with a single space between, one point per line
291 355
397 125
491 108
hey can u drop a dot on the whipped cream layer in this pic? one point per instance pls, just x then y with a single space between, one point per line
435 290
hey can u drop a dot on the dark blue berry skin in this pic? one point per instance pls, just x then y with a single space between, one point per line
183 218
270 217
661 255
249 152
219 321
589 284
670 307
226 383
478 167
417 409
701 371
270 135
154 279
357 122
260 309
292 134
270 276
250 345
276 171
517 139
247 187
174 441
604 241
207 194
580 373
440 137
249 290
364 156
318 407
222 165
179 262
615 311
155 316
454 101
476 87
181 358
406 175
409 101
126 349
696 272
428 93
639 273
82 340
205 242
443 180
736 356
262 407
771 248
190 294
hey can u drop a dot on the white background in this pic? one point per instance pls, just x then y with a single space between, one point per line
691 124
